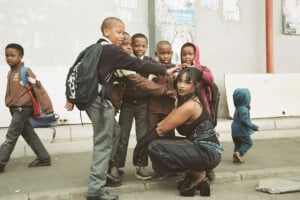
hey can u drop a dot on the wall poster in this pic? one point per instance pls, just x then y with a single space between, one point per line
291 17
175 20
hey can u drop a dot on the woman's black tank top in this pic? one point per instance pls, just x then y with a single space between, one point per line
187 129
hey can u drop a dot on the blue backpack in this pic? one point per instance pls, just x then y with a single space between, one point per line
44 120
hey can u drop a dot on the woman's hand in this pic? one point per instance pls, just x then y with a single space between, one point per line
69 106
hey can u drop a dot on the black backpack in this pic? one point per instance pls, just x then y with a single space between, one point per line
82 85
213 99
214 104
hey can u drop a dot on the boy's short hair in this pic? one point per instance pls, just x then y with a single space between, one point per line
109 22
138 35
16 46
163 42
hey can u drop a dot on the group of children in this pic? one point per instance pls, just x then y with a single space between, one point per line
138 105
143 98
141 105
147 109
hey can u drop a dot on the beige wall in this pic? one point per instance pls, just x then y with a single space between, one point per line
53 32
239 47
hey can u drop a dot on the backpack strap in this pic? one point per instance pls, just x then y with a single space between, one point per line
24 75
35 103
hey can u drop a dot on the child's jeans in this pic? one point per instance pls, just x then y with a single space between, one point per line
129 111
20 126
242 144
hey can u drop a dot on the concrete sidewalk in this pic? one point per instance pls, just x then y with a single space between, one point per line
67 177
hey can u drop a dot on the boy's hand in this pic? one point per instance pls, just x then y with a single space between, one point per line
69 106
172 70
183 65
171 93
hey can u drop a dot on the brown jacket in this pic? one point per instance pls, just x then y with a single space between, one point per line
162 104
141 83
17 96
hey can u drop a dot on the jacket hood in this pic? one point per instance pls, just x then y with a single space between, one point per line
241 97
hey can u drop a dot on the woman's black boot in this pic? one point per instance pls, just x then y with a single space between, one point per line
187 177
188 185
188 189
204 188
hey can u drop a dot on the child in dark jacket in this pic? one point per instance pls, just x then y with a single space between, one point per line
242 127
135 104
141 83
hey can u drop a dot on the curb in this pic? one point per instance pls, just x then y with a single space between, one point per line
138 186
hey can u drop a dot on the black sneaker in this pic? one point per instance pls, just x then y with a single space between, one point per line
112 181
39 163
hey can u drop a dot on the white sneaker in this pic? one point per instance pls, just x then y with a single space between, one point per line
142 173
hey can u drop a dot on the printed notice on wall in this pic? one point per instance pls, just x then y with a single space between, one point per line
210 4
291 17
230 10
175 21
176 12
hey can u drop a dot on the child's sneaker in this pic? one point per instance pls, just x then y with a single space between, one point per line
142 173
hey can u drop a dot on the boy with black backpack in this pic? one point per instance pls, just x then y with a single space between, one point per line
101 111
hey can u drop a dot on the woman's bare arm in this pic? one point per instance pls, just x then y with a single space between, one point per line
186 113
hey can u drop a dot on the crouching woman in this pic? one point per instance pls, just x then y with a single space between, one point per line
199 151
